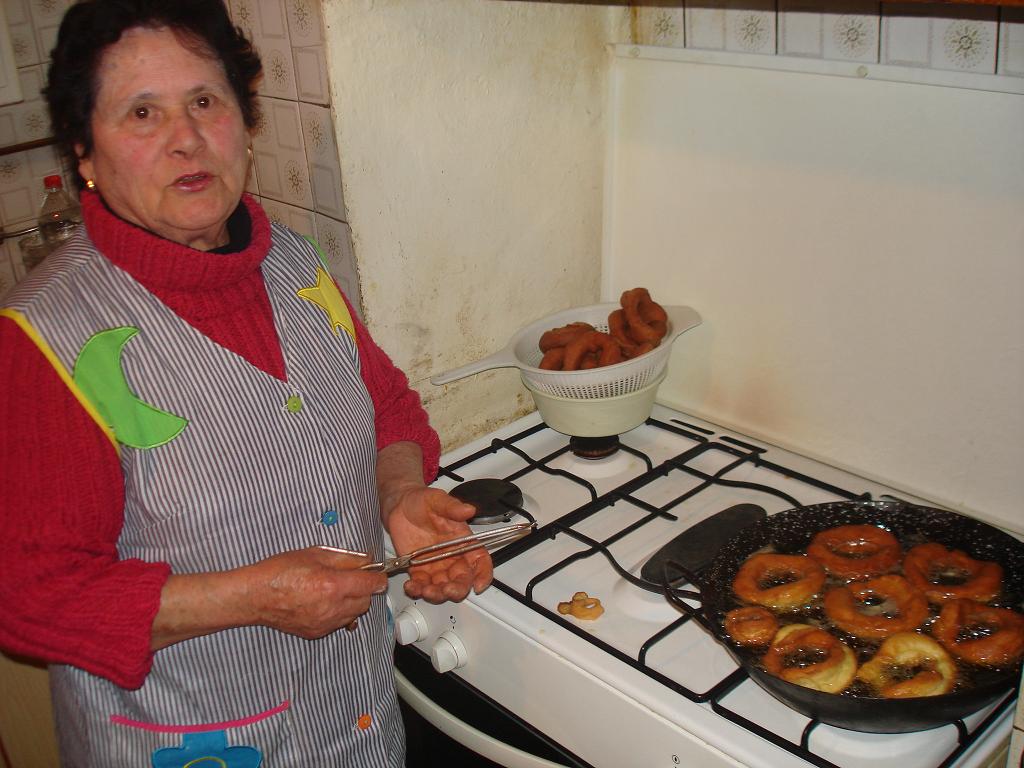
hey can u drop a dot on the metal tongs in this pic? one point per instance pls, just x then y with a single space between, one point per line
441 550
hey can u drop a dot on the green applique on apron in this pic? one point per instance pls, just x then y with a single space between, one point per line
99 375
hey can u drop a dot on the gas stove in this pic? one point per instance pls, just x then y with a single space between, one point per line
641 685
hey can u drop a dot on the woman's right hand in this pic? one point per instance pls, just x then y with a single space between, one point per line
311 592
307 592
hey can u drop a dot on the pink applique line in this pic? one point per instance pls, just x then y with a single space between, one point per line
202 728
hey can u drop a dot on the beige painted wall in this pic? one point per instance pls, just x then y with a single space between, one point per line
472 140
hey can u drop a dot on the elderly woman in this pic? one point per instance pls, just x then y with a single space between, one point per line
194 424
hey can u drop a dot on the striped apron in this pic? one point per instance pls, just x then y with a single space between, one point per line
259 466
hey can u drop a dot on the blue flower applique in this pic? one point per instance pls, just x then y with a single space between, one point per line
210 748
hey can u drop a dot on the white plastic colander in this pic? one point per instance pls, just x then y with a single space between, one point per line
523 352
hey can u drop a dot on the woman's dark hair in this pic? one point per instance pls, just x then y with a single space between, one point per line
90 26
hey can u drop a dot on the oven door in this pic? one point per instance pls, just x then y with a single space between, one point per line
448 722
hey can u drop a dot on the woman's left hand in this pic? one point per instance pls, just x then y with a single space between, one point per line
421 516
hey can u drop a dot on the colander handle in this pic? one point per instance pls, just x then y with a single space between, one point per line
503 358
683 319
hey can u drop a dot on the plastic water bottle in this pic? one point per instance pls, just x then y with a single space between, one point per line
59 214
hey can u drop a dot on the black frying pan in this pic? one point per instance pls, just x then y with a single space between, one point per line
791 532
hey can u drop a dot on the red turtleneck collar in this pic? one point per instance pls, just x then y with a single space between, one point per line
155 261
220 294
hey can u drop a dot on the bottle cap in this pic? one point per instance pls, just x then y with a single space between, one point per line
53 181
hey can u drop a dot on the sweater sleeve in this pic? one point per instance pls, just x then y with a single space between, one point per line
65 595
399 414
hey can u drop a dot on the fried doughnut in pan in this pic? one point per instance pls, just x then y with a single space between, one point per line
782 582
907 665
947 574
855 552
809 656
876 608
752 625
980 634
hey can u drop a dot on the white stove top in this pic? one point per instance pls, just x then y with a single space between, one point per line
635 682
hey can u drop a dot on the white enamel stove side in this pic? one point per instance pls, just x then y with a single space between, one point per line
574 708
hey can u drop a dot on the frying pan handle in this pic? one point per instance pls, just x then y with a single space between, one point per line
675 596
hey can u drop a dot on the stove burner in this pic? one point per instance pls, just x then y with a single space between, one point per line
594 447
493 498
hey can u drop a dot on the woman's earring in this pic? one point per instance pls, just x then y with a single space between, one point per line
249 150
90 184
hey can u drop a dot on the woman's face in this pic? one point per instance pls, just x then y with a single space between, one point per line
169 142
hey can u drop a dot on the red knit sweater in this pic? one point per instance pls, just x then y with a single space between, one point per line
65 596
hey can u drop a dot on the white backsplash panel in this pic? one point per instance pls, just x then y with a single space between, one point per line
854 246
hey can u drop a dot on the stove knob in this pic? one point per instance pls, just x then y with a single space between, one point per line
448 652
410 626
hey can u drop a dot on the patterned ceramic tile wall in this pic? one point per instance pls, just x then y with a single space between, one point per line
1010 58
725 25
32 25
959 38
848 32
296 170
967 38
